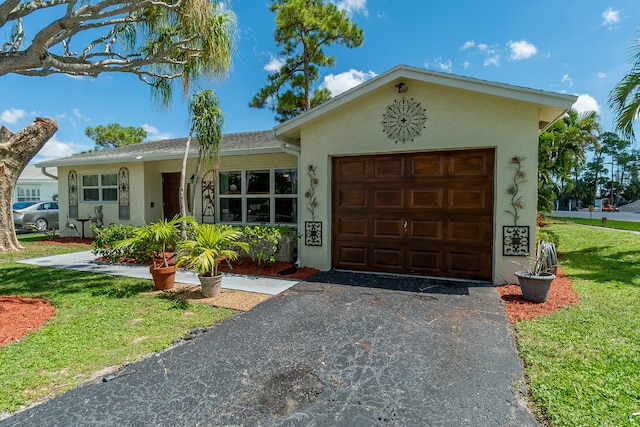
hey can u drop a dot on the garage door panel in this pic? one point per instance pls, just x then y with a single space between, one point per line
352 167
353 256
388 198
467 163
426 198
385 166
387 228
468 265
353 226
352 198
468 198
428 165
424 262
389 259
426 229
466 231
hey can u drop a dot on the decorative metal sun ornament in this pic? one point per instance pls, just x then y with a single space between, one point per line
404 119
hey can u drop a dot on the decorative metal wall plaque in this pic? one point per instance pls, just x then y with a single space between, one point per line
404 120
313 233
73 194
208 198
515 240
124 209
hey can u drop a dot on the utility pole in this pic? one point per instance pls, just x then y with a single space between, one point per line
612 160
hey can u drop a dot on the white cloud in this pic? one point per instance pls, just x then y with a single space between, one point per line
75 118
468 45
55 149
76 77
521 50
446 66
610 17
12 116
601 75
491 53
566 79
154 134
274 64
586 103
353 6
493 58
466 65
338 83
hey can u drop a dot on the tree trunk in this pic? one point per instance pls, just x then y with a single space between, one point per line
16 150
183 176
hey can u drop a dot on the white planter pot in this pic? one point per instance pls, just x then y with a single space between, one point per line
211 285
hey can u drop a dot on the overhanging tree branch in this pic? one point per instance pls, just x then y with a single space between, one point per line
156 40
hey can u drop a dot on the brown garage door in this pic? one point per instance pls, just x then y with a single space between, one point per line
427 214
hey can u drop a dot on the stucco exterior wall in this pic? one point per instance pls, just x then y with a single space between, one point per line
145 186
457 119
109 209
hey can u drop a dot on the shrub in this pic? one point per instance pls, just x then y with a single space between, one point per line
548 236
105 238
263 243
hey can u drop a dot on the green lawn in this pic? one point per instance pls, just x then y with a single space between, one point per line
611 223
583 362
101 321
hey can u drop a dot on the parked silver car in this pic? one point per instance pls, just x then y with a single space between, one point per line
36 215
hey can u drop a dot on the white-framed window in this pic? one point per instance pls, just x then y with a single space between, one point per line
26 194
100 187
260 196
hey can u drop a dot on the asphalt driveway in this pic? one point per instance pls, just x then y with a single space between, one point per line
323 354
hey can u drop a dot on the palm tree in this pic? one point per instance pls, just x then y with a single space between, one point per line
206 119
624 99
561 151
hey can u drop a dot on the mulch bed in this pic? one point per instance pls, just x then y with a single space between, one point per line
561 294
21 315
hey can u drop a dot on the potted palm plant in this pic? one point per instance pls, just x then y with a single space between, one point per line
206 249
535 281
157 240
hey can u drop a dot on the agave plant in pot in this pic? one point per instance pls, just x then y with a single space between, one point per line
535 281
210 245
156 240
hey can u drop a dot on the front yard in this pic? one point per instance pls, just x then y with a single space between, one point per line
583 362
101 321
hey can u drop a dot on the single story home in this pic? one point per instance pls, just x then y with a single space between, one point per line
412 172
33 184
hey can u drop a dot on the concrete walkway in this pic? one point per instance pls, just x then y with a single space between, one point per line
323 353
86 261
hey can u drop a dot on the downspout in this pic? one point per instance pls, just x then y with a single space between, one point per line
45 173
293 147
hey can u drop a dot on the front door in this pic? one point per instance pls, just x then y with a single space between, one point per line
170 195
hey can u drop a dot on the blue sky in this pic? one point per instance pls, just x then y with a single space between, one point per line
580 47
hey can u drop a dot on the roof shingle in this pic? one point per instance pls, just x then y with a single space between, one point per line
167 149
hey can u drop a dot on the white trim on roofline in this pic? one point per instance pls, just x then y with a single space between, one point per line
534 96
153 157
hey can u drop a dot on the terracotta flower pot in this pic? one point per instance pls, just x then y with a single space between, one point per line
163 277
211 285
535 288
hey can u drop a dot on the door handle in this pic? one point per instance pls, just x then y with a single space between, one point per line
405 225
